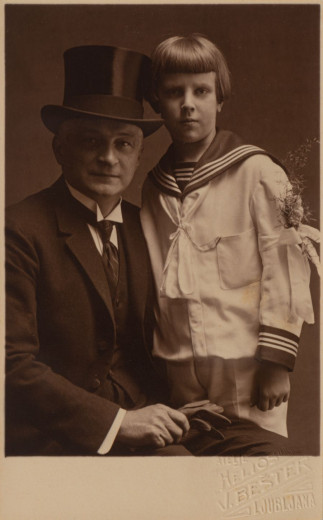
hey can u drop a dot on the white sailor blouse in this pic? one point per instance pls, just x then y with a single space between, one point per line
231 279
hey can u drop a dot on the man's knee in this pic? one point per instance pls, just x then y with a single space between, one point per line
242 437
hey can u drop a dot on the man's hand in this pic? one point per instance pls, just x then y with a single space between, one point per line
154 426
271 386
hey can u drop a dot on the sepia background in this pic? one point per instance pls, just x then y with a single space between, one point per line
273 56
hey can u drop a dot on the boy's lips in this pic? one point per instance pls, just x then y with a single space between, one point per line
188 121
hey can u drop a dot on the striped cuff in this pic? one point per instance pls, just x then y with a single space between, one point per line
278 346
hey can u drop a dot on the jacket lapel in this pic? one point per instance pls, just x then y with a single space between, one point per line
137 259
82 246
71 222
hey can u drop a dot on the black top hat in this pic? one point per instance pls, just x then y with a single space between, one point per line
104 81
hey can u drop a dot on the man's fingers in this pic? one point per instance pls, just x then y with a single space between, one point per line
170 424
179 418
175 433
166 437
160 442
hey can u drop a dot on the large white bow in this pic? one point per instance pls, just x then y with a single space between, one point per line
179 272
178 279
299 250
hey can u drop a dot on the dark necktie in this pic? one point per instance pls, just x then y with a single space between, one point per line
110 255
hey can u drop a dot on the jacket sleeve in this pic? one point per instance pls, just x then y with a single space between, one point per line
285 296
51 403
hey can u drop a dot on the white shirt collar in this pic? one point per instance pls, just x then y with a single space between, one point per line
115 215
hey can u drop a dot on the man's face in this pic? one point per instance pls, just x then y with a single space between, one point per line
189 106
98 157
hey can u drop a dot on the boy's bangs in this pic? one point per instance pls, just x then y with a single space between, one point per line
186 60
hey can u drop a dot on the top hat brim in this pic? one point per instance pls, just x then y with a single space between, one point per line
54 115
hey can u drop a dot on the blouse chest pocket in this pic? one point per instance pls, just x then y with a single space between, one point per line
239 262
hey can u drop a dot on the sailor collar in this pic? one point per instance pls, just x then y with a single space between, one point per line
226 150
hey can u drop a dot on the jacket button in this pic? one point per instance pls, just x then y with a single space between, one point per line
96 383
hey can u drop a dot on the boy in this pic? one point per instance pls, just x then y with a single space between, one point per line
232 282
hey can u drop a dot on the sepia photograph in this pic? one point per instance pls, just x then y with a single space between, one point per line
162 271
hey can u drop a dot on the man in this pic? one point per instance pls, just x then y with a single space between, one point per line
79 311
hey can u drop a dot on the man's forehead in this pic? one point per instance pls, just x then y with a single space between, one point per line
101 125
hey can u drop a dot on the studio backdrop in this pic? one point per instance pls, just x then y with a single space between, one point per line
273 55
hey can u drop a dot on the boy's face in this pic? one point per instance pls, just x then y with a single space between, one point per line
189 106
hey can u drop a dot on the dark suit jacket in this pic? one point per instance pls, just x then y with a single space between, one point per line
61 329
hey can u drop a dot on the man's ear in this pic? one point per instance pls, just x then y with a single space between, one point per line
57 149
140 152
219 107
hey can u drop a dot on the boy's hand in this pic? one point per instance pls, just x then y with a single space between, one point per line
271 386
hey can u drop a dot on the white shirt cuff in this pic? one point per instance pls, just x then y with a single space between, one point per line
112 433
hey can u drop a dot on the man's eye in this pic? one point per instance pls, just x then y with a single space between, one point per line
90 141
124 144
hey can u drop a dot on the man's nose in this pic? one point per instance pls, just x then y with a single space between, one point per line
107 154
188 101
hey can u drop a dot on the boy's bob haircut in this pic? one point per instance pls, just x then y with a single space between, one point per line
191 54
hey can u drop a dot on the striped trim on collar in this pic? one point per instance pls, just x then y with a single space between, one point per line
166 182
202 175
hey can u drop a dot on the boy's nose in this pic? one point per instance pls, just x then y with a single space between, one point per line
188 102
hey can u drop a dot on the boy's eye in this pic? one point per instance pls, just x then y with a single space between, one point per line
202 91
174 92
